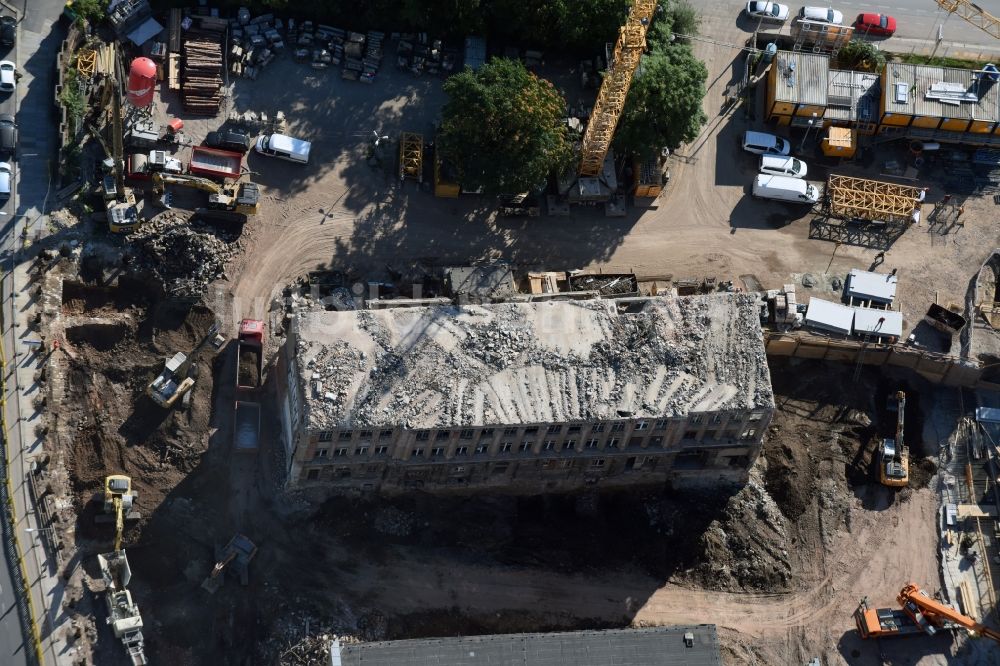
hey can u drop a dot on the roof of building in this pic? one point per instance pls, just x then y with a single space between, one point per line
526 363
494 281
852 96
871 286
801 77
829 316
907 87
866 320
655 646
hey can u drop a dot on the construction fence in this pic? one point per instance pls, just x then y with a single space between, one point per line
935 367
11 545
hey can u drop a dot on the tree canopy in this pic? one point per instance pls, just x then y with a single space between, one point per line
503 128
663 107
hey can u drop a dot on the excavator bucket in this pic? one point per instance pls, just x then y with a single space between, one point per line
235 556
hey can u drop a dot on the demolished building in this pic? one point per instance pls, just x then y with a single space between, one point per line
526 397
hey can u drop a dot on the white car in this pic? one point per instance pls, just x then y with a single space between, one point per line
767 11
4 180
7 76
821 15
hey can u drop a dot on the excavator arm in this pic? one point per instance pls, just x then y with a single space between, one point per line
161 179
119 522
916 602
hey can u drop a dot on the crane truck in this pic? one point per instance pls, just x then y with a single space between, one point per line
919 613
227 203
894 456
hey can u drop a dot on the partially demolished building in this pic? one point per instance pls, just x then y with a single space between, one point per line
526 396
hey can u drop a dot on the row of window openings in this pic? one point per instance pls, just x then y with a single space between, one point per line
469 433
506 447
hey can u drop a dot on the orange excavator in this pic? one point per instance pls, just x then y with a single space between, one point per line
920 614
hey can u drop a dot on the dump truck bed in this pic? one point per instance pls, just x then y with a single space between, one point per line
246 430
215 162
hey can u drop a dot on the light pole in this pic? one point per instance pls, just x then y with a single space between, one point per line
805 136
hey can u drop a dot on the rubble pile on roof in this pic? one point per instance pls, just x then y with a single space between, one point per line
184 257
510 363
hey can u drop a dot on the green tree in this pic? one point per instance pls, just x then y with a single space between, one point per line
502 125
857 54
449 18
663 107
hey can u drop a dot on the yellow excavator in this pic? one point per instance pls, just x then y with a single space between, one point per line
118 504
894 456
231 203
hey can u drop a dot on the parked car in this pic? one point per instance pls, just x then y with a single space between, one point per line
779 165
8 134
8 76
782 188
767 11
228 140
4 180
8 30
875 24
761 143
821 15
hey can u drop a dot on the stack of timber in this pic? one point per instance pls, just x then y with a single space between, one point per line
201 81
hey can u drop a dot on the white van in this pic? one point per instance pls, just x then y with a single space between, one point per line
779 165
285 147
783 188
761 143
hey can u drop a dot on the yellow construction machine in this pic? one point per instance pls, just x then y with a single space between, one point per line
118 504
225 202
894 456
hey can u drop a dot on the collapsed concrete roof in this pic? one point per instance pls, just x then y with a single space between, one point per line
511 363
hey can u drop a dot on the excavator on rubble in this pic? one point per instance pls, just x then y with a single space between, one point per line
226 203
919 614
236 555
894 456
179 373
118 505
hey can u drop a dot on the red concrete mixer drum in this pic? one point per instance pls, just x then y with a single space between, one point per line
141 82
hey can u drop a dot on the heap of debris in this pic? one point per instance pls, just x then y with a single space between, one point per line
185 258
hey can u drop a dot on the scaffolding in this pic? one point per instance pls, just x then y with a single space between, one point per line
611 98
820 37
850 198
411 156
86 62
973 14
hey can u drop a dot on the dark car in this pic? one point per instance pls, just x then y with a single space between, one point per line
8 134
228 140
8 30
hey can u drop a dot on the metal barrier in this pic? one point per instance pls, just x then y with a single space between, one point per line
11 545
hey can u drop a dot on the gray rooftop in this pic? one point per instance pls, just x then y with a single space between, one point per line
852 96
801 77
914 82
530 363
657 646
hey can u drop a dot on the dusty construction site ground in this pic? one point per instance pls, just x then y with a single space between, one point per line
779 566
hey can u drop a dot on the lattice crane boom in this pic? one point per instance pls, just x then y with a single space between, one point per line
611 98
973 14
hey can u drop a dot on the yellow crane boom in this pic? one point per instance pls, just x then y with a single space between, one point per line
973 14
611 98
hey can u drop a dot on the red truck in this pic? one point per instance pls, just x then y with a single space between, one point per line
249 374
216 163
248 355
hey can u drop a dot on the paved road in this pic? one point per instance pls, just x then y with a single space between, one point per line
38 39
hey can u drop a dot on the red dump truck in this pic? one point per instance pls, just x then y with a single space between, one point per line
248 355
215 162
249 375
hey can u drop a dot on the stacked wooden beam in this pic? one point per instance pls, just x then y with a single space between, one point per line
201 81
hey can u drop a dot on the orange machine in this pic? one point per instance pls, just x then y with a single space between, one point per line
920 614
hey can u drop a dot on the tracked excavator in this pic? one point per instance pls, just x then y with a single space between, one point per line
894 456
228 203
118 505
919 613
179 373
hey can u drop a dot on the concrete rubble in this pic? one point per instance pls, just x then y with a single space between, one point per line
531 363
183 256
